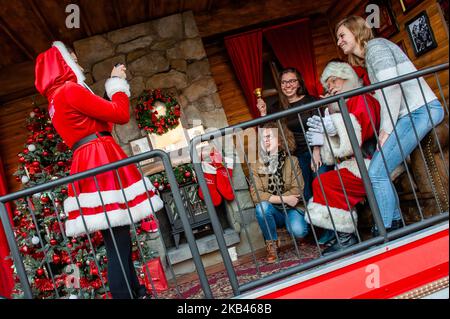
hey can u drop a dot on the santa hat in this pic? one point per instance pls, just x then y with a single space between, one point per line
341 70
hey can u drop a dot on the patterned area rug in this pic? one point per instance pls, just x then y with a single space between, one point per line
246 272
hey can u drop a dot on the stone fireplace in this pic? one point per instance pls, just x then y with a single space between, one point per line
168 54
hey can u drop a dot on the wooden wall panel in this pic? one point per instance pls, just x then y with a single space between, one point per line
14 135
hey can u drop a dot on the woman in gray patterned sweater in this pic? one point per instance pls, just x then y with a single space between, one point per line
409 110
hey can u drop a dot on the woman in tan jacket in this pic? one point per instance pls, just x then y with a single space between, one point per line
277 189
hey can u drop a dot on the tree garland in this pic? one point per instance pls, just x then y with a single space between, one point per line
184 174
147 115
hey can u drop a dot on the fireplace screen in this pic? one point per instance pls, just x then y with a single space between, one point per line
195 209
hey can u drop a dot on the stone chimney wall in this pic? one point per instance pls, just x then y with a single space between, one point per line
167 53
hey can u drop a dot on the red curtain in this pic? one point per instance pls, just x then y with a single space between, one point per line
245 51
293 46
6 274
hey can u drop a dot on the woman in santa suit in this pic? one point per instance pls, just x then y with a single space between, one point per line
85 122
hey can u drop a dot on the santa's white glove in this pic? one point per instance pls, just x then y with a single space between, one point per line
315 124
314 138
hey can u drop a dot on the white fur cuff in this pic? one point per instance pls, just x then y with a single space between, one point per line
114 85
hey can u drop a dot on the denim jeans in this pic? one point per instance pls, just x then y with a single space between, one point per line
384 190
276 218
304 161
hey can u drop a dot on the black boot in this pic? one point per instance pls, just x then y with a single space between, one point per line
396 224
345 240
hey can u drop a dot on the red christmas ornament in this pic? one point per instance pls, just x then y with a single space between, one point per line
40 140
60 163
18 179
156 184
48 128
30 141
24 249
22 159
187 174
17 213
74 240
37 110
53 242
32 226
47 210
69 245
50 136
25 151
40 272
64 191
44 153
36 164
79 264
45 199
56 259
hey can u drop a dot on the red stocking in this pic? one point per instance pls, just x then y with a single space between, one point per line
223 182
209 172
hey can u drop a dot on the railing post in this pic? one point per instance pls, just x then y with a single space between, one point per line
362 168
18 261
186 225
217 228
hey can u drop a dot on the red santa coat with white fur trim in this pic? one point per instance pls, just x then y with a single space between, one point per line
333 193
76 112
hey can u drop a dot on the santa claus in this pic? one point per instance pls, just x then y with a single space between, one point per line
85 121
339 77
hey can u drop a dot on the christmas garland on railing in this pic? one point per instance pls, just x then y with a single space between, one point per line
149 119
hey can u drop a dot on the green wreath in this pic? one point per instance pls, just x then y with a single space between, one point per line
147 115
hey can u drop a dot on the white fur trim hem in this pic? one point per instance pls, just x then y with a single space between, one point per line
69 60
320 216
92 200
114 85
119 217
340 143
352 166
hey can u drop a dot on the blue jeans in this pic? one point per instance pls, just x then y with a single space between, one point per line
384 190
304 161
294 220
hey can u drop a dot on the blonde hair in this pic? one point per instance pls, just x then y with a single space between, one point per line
362 32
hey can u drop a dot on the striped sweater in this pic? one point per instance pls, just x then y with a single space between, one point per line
385 60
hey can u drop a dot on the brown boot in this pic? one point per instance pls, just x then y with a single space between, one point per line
271 248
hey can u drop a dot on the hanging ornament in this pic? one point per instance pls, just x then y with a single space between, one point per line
45 199
31 147
40 272
32 114
156 184
187 174
161 187
53 242
44 153
35 240
24 179
56 259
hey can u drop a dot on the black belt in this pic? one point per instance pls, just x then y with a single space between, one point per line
89 138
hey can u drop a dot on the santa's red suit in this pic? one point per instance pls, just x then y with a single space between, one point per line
319 214
76 113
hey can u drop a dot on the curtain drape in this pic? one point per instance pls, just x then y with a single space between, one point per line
293 46
245 51
6 274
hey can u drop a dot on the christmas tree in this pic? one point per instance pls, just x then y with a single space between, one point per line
58 266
